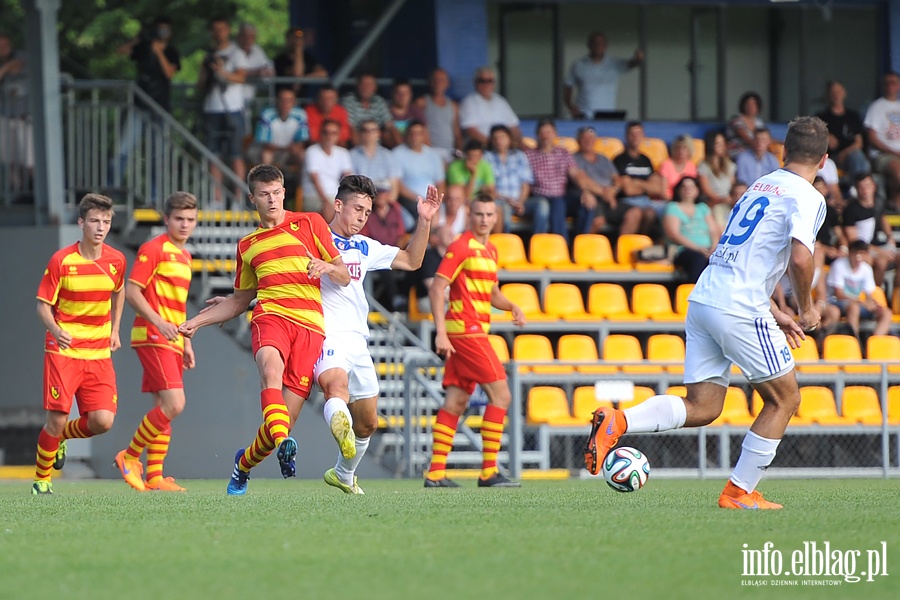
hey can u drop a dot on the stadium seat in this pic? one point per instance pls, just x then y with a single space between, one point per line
564 301
777 148
550 251
569 143
511 252
735 410
498 343
655 149
895 304
629 243
699 151
413 309
530 348
652 301
578 348
585 402
619 348
529 142
884 348
893 400
609 147
641 393
807 358
845 348
593 251
817 405
669 348
608 301
677 390
681 298
859 403
547 404
525 296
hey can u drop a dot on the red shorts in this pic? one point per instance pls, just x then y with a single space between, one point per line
91 382
473 362
162 368
299 348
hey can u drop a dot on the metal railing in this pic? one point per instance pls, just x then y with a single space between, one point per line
16 142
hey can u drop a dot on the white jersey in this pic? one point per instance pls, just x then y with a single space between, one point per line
346 308
754 251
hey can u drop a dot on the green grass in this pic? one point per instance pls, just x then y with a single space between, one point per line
301 539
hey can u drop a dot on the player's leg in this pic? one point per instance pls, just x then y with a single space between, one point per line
171 404
499 399
456 399
48 443
365 422
275 413
331 372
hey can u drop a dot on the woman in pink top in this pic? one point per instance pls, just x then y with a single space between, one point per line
680 164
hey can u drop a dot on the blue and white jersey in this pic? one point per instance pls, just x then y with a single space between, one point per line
346 308
754 250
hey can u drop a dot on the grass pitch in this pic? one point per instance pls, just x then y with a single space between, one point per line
556 540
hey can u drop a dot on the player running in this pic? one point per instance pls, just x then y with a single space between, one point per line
731 319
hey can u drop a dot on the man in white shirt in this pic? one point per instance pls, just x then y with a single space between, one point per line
482 109
345 370
596 76
882 124
326 164
732 319
851 283
258 65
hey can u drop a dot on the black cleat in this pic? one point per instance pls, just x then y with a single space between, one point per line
498 480
440 483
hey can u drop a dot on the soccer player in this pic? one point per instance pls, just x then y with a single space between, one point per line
157 290
469 269
80 303
280 264
732 319
345 371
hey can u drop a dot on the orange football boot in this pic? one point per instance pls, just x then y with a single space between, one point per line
131 471
736 498
607 426
164 484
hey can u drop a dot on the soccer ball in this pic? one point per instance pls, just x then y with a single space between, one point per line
626 469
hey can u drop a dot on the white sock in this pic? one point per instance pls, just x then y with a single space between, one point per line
336 405
657 413
345 468
757 454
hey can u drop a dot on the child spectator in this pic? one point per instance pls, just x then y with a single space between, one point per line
851 283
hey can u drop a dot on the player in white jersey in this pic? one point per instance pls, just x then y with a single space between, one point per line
732 319
345 370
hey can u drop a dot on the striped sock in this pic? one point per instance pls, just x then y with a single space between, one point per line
275 414
156 453
444 429
257 452
153 423
76 428
46 453
491 432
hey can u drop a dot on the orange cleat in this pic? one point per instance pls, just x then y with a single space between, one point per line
131 470
164 484
736 498
607 426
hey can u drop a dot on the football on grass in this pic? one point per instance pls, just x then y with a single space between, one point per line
626 469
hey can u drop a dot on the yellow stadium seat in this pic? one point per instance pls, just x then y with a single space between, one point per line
593 251
669 348
681 297
641 393
885 348
699 152
777 148
529 142
735 410
511 252
628 244
569 143
525 296
655 149
652 301
619 348
564 301
609 147
550 251
817 405
498 343
608 301
677 390
585 402
807 358
878 296
894 405
845 348
413 309
530 348
547 404
859 403
578 348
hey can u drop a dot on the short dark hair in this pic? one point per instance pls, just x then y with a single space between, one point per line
179 201
365 122
326 87
806 140
93 201
762 130
401 81
543 122
858 246
818 179
500 127
351 185
217 19
482 197
747 96
327 122
264 174
414 123
473 145
676 191
631 124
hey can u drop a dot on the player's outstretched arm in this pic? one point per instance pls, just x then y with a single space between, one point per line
135 297
230 307
498 300
801 269
410 259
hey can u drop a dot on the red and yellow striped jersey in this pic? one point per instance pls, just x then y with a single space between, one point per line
471 268
163 272
80 292
274 262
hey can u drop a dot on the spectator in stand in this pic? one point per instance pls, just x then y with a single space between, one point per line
472 171
716 175
741 128
596 76
366 105
845 131
373 160
258 65
441 116
679 165
691 228
831 243
829 176
386 225
437 246
402 112
419 166
326 107
296 60
641 186
326 164
851 284
863 220
454 212
280 134
883 128
17 147
512 184
482 109
753 164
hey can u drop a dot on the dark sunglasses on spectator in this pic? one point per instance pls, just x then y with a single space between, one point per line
484 80
367 129
331 132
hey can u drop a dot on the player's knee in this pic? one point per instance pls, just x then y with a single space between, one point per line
364 428
700 413
100 422
270 375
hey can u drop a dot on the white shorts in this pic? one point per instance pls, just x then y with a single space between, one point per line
350 352
716 339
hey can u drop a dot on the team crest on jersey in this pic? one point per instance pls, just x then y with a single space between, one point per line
449 255
143 258
355 271
295 227
54 391
171 257
112 269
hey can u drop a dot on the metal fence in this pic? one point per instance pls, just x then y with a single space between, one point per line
16 142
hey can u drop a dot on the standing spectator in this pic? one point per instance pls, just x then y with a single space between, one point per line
641 185
596 76
741 127
366 105
326 107
280 133
845 131
679 165
850 287
258 65
297 60
326 164
512 184
863 220
420 166
753 164
482 109
690 227
402 113
472 171
883 128
373 160
386 225
221 77
17 147
716 174
441 116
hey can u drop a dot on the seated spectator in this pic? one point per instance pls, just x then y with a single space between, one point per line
641 186
454 210
402 112
716 174
829 176
326 164
386 225
419 166
472 171
753 164
830 240
845 131
296 60
512 184
373 160
482 109
326 107
740 130
438 242
883 132
679 165
441 116
863 220
258 65
280 133
366 105
690 227
851 283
